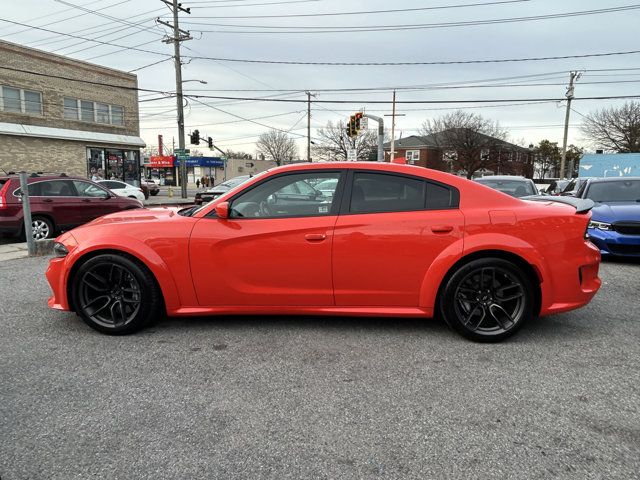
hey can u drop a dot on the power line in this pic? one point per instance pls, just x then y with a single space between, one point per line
84 38
367 12
417 26
441 62
502 100
256 4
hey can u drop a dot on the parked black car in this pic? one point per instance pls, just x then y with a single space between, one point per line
214 192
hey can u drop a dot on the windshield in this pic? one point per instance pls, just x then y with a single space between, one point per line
618 191
515 188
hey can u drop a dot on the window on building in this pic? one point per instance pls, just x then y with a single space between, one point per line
117 115
102 113
412 156
11 99
32 102
71 108
20 101
87 111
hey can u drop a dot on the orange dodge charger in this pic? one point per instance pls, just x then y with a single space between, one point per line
339 238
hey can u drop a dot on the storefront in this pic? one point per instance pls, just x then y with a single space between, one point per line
198 167
113 164
162 168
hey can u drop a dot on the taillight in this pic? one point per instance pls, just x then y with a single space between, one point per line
3 194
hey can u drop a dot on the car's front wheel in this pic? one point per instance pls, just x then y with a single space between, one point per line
115 294
487 300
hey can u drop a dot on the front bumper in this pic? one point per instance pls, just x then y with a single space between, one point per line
57 275
614 243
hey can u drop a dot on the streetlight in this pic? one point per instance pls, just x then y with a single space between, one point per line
199 81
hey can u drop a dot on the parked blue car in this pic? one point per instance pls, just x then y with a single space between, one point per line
615 220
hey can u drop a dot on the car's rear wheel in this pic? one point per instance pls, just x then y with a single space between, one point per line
115 295
42 228
487 300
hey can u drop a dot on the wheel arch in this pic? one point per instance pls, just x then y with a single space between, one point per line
432 291
159 273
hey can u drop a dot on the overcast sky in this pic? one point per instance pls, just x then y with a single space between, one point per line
131 23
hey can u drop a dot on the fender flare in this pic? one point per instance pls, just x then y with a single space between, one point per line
136 249
456 254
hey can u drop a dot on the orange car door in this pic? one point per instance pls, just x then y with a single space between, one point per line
268 252
391 230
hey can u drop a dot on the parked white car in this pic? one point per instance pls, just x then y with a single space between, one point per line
123 189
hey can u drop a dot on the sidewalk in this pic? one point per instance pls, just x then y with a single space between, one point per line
11 251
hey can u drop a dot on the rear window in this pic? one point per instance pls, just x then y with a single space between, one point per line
515 188
618 191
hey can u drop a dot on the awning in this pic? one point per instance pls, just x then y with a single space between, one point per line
20 130
202 162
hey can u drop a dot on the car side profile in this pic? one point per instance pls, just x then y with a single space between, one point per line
123 189
392 240
57 203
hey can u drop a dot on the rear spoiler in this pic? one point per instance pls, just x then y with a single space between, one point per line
582 205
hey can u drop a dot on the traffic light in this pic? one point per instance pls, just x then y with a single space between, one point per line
358 117
352 126
210 142
348 129
195 137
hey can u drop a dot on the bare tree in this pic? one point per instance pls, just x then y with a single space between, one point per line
469 141
277 146
333 143
243 155
614 129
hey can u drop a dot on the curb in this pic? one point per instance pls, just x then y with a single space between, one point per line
43 247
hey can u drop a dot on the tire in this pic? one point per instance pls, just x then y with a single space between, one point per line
42 228
116 295
153 193
487 300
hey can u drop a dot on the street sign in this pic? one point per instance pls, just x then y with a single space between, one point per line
352 155
182 151
364 123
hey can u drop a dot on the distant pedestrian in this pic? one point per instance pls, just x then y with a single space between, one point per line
197 183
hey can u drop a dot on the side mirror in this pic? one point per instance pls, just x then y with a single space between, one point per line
222 210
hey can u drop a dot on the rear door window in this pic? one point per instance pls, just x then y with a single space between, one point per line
86 189
51 188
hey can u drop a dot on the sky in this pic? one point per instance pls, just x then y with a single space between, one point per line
125 34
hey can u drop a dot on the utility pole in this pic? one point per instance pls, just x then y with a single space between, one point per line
393 116
309 125
178 36
573 76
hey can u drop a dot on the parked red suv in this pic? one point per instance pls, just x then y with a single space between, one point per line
58 202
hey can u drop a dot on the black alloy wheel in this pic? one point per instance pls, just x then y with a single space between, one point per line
116 295
487 300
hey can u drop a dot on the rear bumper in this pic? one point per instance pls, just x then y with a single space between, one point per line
574 283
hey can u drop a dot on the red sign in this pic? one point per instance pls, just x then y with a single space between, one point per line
158 161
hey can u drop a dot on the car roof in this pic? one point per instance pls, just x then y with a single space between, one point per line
502 177
35 178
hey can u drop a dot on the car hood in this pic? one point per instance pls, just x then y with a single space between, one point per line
137 215
616 212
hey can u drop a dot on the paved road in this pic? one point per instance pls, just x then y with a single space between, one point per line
294 398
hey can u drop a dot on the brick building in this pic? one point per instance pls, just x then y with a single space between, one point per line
494 156
63 115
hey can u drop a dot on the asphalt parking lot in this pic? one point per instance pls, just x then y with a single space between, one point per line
293 398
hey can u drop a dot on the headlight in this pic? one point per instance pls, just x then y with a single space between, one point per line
600 225
59 250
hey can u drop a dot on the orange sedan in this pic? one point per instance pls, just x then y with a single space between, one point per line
389 240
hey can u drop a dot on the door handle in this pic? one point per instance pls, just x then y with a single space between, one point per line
47 200
86 200
442 228
315 237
